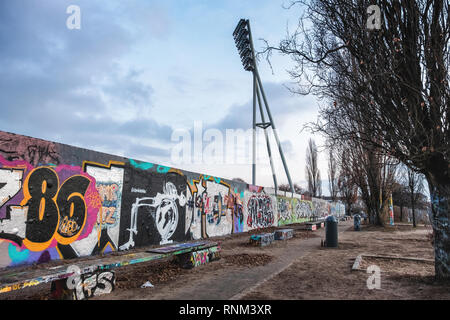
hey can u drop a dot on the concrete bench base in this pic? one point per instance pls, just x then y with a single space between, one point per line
84 286
263 239
284 234
198 258
313 226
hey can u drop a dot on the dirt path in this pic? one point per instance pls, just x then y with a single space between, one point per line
242 266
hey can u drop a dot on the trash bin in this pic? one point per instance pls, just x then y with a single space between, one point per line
357 222
331 232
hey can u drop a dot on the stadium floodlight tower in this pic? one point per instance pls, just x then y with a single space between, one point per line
243 38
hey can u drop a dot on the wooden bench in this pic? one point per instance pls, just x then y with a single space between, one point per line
94 277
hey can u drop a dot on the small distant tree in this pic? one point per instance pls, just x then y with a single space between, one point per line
297 188
312 170
346 185
415 186
332 174
400 196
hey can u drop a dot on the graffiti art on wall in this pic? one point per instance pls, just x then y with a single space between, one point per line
321 208
234 201
303 209
60 202
12 181
209 210
294 210
109 185
54 206
165 215
260 212
154 210
34 151
284 209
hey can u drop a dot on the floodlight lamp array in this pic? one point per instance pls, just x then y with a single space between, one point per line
241 37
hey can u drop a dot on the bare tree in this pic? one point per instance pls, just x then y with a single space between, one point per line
332 174
312 170
400 196
348 190
370 172
415 185
394 95
408 192
297 188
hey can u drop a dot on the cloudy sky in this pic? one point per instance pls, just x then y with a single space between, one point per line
139 70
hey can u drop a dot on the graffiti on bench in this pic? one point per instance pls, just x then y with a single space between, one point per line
95 284
197 258
284 234
82 286
263 239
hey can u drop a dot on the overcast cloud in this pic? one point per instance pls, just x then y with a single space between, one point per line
138 70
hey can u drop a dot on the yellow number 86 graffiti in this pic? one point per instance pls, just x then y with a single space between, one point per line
54 212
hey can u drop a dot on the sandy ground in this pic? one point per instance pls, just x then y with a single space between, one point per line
326 273
287 270
241 266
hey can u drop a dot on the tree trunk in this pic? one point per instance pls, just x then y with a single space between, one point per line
376 218
413 215
401 213
440 195
348 209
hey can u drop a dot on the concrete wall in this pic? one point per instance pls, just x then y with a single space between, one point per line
61 202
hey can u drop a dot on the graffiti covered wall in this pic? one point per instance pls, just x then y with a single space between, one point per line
260 208
294 210
61 202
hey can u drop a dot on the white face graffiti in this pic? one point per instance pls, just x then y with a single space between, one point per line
166 215
166 219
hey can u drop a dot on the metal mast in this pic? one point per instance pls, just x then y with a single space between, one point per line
244 42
